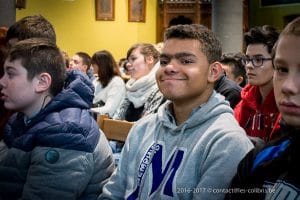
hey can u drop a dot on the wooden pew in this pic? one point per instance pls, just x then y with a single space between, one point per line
114 129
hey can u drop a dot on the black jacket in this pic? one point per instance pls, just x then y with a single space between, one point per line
272 173
229 89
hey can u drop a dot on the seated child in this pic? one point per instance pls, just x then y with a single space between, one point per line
52 147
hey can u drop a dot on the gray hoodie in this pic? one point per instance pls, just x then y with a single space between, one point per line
195 160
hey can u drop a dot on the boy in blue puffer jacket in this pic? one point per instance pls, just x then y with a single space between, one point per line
52 147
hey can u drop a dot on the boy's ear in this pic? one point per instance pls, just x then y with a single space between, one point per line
85 67
240 79
214 72
44 82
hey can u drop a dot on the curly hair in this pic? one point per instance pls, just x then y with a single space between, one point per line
265 34
210 44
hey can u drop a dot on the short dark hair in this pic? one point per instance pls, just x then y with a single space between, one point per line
40 55
265 34
86 59
31 26
107 66
235 62
210 44
147 49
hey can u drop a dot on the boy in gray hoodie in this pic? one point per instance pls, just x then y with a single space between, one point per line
190 149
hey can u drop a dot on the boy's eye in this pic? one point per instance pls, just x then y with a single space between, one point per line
257 59
281 69
186 61
164 61
180 59
10 75
131 59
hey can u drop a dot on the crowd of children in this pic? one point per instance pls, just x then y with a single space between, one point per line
207 125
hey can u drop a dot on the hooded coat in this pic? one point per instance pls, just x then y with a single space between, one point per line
195 160
271 172
256 117
59 153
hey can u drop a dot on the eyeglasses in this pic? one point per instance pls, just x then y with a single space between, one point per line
256 61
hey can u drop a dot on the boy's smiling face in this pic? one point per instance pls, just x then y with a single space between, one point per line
185 74
18 92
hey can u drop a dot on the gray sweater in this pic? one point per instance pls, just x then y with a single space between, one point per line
195 160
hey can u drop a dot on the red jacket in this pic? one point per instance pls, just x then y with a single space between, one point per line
258 120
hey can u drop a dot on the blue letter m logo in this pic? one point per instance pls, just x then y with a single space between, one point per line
159 175
170 170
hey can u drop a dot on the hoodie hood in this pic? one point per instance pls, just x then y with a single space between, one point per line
259 119
170 156
65 122
215 106
78 92
250 95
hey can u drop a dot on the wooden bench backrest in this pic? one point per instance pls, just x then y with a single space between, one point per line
114 129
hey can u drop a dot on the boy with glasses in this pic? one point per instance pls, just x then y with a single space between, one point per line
273 173
257 111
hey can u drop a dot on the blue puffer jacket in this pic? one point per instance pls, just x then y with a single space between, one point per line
59 153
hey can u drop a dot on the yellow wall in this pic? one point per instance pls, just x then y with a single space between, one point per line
77 30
